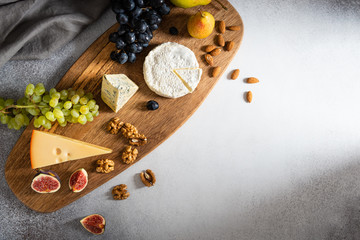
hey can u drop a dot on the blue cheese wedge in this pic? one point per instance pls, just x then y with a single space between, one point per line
116 90
171 70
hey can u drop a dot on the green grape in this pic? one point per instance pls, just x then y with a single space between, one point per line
19 119
46 98
61 120
80 92
91 104
56 95
41 120
71 93
65 112
64 94
67 105
58 113
95 113
82 119
96 108
9 102
84 109
2 102
89 117
33 111
63 124
74 120
84 100
74 113
15 125
39 89
44 110
29 90
15 111
89 95
36 98
53 102
75 99
4 119
26 120
68 118
47 124
52 91
36 123
43 104
11 123
77 107
50 116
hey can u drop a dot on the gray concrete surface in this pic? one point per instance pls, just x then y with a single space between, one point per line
283 167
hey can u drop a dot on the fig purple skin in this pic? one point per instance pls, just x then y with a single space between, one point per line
45 181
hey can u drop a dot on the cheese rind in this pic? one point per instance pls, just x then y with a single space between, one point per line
116 90
159 65
48 149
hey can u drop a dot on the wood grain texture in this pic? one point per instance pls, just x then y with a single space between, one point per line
157 125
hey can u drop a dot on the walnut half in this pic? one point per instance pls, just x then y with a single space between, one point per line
148 178
138 140
105 165
129 154
114 125
120 193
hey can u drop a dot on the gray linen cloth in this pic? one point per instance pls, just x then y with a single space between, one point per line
33 29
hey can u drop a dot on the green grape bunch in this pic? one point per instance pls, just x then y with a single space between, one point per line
66 106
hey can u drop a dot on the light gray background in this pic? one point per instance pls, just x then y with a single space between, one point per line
283 167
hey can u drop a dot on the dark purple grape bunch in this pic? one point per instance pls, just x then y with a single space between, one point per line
138 19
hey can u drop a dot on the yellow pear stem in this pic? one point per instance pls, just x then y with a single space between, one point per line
222 5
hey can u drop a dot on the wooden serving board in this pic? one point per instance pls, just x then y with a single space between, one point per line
157 125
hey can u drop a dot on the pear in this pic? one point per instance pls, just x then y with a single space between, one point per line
201 24
193 3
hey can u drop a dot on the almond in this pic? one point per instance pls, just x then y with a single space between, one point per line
220 40
249 96
216 71
222 27
209 59
234 28
252 80
229 45
235 74
209 48
215 52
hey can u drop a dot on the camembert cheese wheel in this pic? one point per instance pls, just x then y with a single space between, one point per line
171 70
48 149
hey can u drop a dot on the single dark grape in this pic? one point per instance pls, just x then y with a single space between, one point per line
114 56
149 33
120 44
123 57
144 45
141 26
152 105
117 8
128 4
163 9
156 3
122 18
113 37
143 38
131 48
129 37
136 12
123 29
139 3
153 27
139 48
131 57
173 31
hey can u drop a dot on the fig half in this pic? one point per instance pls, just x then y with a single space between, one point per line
45 181
78 180
94 223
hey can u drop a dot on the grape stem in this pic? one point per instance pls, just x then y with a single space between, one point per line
18 106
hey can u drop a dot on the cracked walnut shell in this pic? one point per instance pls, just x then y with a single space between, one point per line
148 178
114 125
105 165
129 154
120 192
